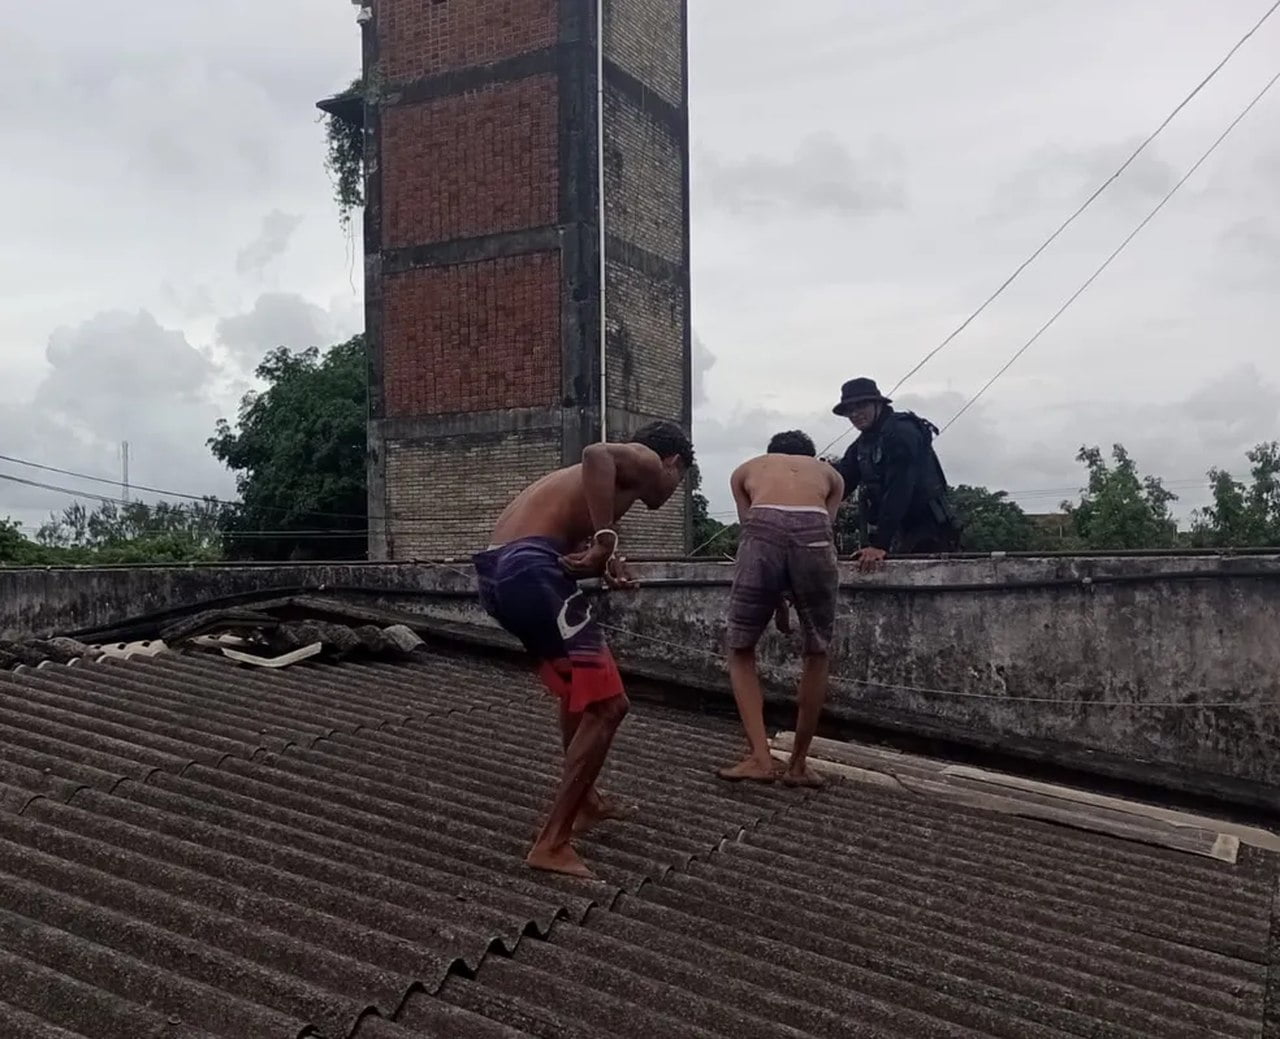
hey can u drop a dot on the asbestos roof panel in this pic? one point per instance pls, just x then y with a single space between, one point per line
864 913
191 848
255 853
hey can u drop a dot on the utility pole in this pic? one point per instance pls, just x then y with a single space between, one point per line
124 466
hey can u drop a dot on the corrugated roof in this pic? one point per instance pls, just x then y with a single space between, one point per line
190 848
864 913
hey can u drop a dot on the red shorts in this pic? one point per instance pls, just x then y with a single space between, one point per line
579 683
523 587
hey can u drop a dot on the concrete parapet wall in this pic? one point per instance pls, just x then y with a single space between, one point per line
1114 664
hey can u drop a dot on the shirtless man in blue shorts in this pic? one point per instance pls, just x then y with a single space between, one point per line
556 532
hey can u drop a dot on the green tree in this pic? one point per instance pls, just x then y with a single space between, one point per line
16 548
1243 516
298 452
1121 509
990 522
848 529
136 532
710 536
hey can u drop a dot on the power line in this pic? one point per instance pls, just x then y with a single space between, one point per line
1116 252
108 500
1085 205
205 498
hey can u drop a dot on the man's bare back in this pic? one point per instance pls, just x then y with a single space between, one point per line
576 504
556 507
787 502
787 480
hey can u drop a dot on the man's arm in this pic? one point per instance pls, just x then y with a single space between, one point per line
608 467
738 485
903 450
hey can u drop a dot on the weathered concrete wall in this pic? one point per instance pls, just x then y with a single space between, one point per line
56 601
1070 666
1108 664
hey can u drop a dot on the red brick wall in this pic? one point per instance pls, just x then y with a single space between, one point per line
477 164
422 37
475 337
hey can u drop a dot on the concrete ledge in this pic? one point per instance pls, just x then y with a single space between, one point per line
1144 667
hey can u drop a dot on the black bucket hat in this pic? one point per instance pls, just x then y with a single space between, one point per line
857 391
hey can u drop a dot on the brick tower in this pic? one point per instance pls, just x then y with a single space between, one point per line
483 253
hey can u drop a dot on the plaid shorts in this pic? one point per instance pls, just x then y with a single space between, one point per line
784 552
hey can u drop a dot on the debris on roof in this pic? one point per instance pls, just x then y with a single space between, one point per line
1014 795
36 651
189 848
43 652
262 636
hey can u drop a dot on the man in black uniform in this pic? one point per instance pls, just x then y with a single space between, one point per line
901 487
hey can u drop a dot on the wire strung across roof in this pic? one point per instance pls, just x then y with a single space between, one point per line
1078 212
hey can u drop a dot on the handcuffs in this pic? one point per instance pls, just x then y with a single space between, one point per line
612 533
613 552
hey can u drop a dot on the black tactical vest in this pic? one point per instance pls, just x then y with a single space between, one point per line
872 475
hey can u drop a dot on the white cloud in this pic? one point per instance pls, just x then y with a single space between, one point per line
114 378
276 319
270 244
821 177
703 361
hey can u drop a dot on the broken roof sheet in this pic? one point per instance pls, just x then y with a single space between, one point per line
190 848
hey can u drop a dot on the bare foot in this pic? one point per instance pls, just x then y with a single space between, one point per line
558 860
751 770
805 777
599 809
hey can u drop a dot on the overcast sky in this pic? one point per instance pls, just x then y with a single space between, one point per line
865 173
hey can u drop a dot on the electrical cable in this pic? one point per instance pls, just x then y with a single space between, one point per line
1116 252
1085 205
204 498
107 499
1092 198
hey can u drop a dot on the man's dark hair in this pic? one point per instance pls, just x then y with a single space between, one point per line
665 439
792 442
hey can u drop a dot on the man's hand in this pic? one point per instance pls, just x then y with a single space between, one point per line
599 559
616 574
869 559
590 562
782 616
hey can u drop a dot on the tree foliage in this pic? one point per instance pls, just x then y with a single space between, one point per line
1121 508
298 451
710 536
990 522
1243 516
137 532
344 158
16 549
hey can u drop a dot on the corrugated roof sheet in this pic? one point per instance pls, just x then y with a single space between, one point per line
189 848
